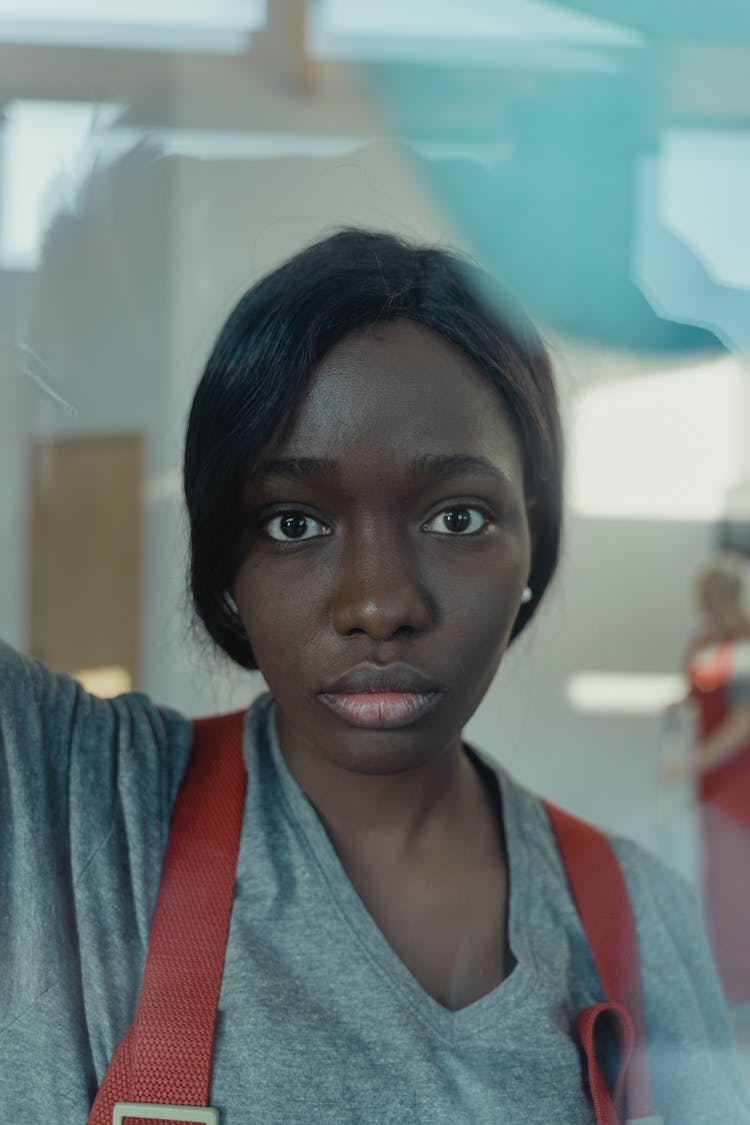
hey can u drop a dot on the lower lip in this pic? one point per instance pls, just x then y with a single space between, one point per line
381 710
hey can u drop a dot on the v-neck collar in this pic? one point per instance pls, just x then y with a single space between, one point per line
451 1025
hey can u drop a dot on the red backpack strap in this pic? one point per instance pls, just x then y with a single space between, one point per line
164 1058
601 898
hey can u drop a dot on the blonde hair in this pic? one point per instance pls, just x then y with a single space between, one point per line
724 578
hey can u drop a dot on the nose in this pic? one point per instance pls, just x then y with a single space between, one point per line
379 590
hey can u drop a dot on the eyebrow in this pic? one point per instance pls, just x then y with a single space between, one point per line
436 465
444 465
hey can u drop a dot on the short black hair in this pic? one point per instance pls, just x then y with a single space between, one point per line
280 331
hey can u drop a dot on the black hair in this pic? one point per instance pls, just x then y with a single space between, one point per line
280 331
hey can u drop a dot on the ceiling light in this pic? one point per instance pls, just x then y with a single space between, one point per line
204 26
632 693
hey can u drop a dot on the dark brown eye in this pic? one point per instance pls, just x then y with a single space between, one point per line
460 520
294 527
290 526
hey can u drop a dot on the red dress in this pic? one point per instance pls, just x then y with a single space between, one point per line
724 795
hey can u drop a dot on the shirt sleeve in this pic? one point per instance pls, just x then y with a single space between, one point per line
693 1062
79 776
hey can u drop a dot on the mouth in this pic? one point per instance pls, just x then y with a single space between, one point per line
381 698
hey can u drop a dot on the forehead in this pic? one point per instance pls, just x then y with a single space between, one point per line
398 390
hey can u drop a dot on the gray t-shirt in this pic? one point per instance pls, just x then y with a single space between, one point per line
318 1021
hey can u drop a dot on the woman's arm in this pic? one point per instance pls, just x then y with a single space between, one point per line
729 737
76 773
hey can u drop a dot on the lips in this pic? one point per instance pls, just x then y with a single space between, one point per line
373 678
381 696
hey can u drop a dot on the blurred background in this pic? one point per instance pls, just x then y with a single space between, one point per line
157 158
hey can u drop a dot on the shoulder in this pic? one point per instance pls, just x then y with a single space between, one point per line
668 917
69 755
86 791
24 682
691 1054
666 911
35 700
671 937
690 1041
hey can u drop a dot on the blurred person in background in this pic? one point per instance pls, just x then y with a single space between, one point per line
717 670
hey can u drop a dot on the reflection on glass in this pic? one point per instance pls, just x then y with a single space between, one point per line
156 160
668 444
144 25
43 153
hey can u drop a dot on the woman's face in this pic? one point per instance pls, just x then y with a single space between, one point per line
387 546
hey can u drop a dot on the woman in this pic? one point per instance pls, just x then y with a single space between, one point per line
717 669
372 475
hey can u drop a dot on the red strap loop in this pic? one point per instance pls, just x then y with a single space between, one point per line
601 898
608 1105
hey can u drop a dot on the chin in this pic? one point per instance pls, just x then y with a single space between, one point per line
390 751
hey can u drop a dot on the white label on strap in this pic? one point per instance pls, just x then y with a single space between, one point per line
200 1115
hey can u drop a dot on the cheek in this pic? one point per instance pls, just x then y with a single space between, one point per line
485 606
480 628
280 613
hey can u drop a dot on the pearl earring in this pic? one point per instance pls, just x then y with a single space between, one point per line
527 595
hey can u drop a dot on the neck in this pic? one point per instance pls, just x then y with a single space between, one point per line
397 813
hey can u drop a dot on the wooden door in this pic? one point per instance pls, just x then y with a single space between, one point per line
86 550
